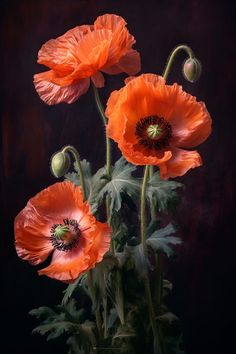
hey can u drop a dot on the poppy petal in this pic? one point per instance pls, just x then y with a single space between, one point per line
32 236
93 49
129 63
109 21
180 163
141 97
52 93
101 242
139 155
190 120
121 41
60 53
68 266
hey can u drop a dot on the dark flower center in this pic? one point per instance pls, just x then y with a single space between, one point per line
153 132
65 237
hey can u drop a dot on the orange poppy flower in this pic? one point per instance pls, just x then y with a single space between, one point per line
154 123
82 53
57 220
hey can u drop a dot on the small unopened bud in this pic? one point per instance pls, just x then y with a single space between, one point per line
60 164
192 69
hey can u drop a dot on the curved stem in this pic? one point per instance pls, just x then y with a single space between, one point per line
104 119
157 344
74 152
173 55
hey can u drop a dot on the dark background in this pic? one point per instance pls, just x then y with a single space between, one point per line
204 272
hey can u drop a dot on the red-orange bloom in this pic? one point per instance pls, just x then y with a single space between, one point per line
57 220
153 123
82 53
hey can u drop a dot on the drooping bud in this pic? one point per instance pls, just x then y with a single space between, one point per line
192 69
60 164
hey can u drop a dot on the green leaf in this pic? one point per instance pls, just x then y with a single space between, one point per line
136 254
43 312
121 182
161 240
120 231
168 317
160 193
112 318
84 340
167 287
73 287
174 344
56 329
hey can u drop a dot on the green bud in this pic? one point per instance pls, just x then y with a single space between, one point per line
60 164
192 69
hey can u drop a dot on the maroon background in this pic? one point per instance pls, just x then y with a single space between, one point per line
203 274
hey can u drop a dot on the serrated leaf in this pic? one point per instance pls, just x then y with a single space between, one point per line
168 317
167 287
161 193
162 240
56 329
121 182
101 272
136 253
73 287
84 340
112 318
174 345
43 312
120 230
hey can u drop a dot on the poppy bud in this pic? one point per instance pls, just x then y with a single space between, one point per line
192 69
60 164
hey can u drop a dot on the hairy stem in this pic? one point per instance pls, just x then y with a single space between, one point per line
104 119
173 55
75 154
157 344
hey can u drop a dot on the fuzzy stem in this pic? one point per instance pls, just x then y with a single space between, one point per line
104 119
74 152
157 344
173 55
108 153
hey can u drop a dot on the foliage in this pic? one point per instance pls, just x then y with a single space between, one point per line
65 320
120 183
160 194
162 240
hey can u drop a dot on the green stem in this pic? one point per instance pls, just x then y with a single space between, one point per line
108 154
104 119
157 344
93 297
173 55
76 156
143 211
159 280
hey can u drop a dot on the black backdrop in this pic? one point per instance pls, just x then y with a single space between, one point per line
203 274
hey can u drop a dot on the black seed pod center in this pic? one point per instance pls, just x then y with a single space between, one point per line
65 237
153 132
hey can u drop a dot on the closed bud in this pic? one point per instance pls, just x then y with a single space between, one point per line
60 164
192 69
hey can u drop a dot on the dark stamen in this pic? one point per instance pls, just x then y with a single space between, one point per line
153 132
69 238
